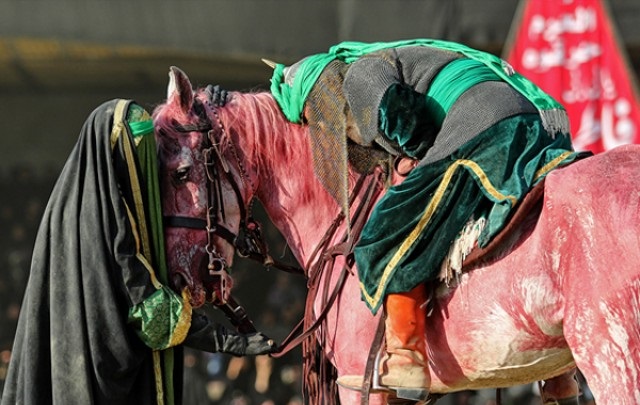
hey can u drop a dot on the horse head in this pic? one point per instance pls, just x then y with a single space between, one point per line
203 205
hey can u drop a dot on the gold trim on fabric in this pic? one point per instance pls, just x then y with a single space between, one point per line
118 129
181 329
484 179
118 119
154 280
137 198
426 218
115 135
551 165
157 371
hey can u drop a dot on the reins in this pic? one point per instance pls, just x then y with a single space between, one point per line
250 243
324 255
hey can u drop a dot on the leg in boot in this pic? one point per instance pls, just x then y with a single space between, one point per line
404 368
404 365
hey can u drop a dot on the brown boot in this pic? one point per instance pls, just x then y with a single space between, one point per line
404 367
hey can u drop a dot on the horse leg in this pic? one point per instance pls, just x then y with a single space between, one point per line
593 245
563 389
605 342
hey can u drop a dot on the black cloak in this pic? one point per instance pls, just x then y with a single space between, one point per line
79 340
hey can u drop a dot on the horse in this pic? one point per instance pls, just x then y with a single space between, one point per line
562 291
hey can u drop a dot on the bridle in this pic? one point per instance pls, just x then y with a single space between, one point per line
249 241
215 209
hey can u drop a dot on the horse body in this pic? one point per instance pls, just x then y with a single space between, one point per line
562 292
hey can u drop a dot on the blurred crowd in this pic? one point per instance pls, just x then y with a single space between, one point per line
273 299
24 193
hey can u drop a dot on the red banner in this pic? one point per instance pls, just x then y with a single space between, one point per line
570 49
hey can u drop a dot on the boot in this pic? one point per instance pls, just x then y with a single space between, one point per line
404 366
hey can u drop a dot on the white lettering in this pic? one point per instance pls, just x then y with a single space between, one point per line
582 20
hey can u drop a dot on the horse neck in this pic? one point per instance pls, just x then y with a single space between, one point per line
279 161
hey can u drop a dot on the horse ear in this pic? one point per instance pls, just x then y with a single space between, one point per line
180 89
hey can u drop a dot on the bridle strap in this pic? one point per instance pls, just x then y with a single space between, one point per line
184 222
200 224
249 243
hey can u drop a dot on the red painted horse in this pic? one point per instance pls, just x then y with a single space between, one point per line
563 291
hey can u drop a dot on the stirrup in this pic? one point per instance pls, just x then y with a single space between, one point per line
356 383
414 394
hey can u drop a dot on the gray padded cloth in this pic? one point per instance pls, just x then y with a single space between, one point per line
475 111
369 77
483 105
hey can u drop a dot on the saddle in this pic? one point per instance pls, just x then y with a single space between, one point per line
528 210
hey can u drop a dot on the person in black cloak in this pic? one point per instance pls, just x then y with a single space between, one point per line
99 324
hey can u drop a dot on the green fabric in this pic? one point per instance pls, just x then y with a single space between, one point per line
412 120
291 98
454 79
157 317
160 316
511 154
147 157
141 128
404 118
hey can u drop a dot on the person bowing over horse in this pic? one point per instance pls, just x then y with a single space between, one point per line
470 137
99 323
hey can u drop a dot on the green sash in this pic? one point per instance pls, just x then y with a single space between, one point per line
162 320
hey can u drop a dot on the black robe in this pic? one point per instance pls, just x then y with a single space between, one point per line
76 342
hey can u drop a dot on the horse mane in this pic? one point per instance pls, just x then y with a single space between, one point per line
271 143
283 149
252 114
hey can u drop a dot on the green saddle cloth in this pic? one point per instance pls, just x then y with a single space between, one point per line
412 227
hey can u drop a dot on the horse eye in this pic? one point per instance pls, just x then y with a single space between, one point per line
182 174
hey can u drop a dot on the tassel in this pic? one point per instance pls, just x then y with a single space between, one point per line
555 121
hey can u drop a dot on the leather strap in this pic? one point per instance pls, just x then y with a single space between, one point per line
326 256
376 345
531 203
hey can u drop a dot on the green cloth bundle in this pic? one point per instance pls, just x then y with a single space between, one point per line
291 95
